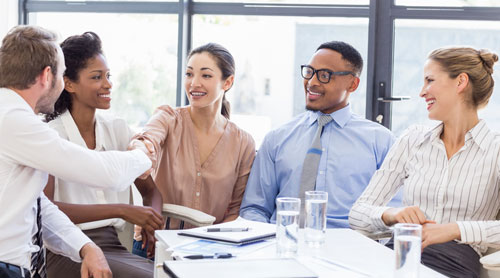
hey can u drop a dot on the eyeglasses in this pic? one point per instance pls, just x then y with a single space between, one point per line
323 75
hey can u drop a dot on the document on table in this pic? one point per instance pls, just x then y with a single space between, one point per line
206 247
230 268
257 231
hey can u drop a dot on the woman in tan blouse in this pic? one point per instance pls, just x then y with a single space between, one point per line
201 159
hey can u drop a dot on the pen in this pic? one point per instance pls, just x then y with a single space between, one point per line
228 229
215 256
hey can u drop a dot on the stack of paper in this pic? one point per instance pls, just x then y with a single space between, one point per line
257 231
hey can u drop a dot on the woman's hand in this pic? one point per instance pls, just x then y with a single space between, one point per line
146 217
439 233
411 214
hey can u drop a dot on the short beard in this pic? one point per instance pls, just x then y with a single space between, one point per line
311 109
47 108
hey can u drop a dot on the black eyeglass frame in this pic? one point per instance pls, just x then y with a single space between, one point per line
330 73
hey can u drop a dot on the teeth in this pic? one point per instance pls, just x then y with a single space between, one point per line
431 101
313 93
198 94
105 95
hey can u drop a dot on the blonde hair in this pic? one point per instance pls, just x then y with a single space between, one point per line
25 52
477 64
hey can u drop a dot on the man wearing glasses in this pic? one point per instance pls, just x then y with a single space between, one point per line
326 148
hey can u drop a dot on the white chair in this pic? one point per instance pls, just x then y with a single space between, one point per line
185 215
490 271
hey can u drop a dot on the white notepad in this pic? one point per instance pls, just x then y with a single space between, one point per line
230 268
257 231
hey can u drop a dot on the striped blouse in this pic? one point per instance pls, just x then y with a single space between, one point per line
463 189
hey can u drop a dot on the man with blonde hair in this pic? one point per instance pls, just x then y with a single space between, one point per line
31 80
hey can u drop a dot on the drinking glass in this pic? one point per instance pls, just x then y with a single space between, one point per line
287 226
315 213
407 245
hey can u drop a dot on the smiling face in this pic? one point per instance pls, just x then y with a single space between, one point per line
93 87
204 83
333 95
439 91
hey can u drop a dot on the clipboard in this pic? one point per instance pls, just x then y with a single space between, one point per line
230 268
258 231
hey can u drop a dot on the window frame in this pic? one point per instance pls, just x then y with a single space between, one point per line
381 16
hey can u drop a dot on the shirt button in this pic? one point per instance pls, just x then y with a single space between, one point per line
321 172
323 149
198 174
197 194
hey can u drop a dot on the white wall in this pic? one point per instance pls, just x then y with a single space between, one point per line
8 16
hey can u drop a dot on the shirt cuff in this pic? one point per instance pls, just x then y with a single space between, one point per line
76 241
470 233
254 215
143 161
376 218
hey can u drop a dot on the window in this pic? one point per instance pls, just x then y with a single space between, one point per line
414 39
449 3
141 51
268 89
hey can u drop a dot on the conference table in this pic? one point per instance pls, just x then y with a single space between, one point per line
343 247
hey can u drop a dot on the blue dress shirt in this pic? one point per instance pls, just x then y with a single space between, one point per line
353 149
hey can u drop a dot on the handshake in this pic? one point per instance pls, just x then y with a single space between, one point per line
148 148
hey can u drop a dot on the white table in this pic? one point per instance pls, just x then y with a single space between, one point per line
344 246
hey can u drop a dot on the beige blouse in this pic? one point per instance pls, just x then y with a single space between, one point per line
215 187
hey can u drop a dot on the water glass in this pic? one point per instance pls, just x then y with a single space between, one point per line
287 226
407 245
315 213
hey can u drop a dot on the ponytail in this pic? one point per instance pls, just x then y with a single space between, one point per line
226 107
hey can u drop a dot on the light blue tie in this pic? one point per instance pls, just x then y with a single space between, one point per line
311 164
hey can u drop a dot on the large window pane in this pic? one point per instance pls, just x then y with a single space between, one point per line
324 2
414 39
141 51
106 0
268 88
449 3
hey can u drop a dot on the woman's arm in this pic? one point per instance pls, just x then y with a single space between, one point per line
154 133
82 213
368 212
246 161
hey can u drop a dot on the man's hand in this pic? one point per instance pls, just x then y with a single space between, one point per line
411 214
94 263
439 233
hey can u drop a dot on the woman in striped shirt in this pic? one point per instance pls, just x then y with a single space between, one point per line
450 174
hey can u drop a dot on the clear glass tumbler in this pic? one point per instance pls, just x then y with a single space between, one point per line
407 246
287 226
315 213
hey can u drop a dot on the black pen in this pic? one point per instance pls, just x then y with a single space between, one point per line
215 256
228 229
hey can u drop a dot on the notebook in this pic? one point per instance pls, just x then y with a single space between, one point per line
257 231
230 268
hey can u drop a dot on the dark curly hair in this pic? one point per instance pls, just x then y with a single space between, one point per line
77 51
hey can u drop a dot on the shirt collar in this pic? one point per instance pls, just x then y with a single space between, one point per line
480 134
75 136
341 116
